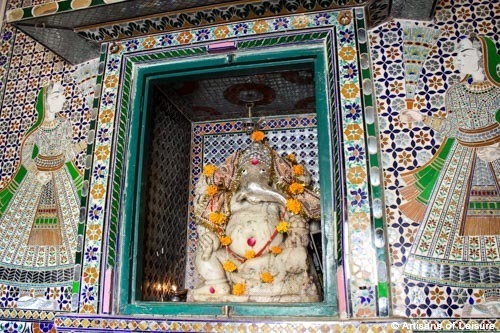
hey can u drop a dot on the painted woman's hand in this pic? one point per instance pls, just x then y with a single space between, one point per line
409 116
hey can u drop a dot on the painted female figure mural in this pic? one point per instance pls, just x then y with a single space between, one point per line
456 195
40 208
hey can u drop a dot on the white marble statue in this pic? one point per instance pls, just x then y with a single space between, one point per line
253 232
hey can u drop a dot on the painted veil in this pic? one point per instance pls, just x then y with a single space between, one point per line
456 196
39 220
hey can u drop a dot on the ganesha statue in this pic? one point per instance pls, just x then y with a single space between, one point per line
252 215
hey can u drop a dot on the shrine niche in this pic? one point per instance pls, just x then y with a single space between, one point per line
250 206
230 211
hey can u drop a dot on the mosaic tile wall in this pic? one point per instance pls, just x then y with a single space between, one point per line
25 66
406 147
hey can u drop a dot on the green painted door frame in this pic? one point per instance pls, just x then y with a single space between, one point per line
239 63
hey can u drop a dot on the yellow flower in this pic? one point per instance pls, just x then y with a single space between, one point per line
260 26
239 289
94 232
276 250
298 170
90 275
229 266
282 227
353 132
249 254
257 136
149 43
300 22
209 170
184 37
211 190
266 277
111 81
293 205
296 188
102 153
291 157
349 90
225 240
221 32
217 218
347 53
106 116
98 191
356 175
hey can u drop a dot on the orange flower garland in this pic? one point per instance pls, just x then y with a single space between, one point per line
294 206
296 188
225 240
229 266
266 277
298 170
212 190
209 170
217 218
282 227
257 136
239 289
276 250
249 254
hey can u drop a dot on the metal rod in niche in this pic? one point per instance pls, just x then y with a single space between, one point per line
249 125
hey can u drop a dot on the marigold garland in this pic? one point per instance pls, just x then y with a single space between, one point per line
276 250
291 158
266 277
239 289
282 227
209 170
294 206
298 170
217 218
229 266
257 136
296 188
212 190
225 240
249 254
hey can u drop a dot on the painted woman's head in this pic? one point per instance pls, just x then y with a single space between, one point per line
469 59
55 98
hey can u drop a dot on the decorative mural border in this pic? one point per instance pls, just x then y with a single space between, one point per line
214 14
352 128
121 324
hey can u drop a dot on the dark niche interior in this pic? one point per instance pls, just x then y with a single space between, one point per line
177 109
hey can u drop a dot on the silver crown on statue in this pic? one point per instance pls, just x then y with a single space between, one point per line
256 153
